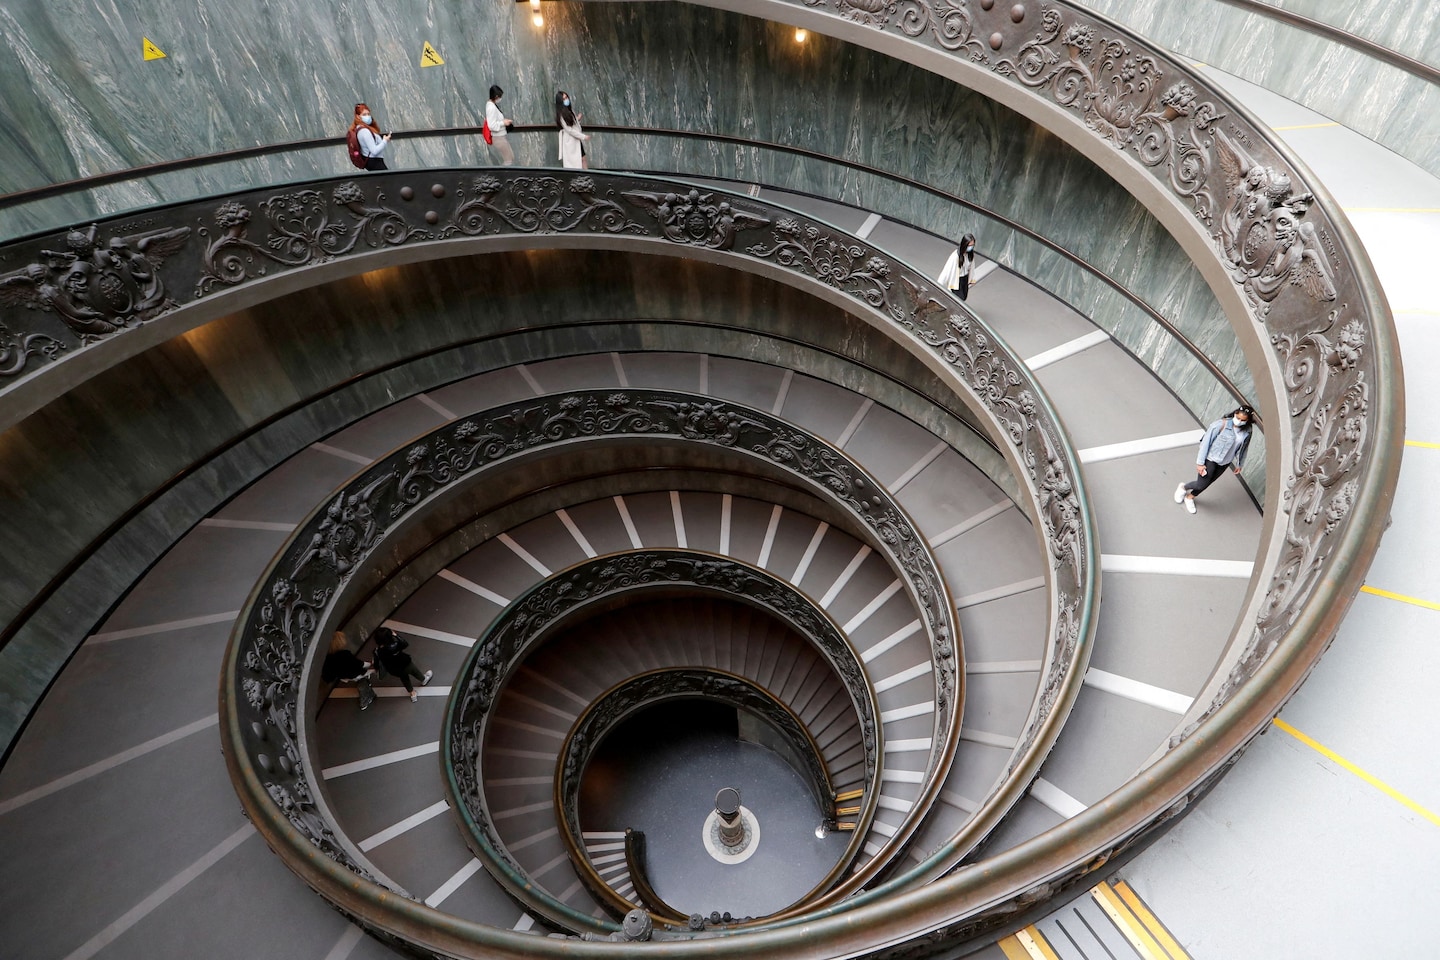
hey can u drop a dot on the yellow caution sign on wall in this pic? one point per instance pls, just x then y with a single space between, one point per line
152 52
428 56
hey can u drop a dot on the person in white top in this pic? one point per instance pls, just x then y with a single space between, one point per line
498 125
956 272
572 138
372 143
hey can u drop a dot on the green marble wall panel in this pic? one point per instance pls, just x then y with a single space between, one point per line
654 64
250 72
1387 104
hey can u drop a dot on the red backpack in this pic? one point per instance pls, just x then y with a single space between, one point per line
352 141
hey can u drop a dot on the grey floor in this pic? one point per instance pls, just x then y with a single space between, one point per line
667 780
128 730
1295 854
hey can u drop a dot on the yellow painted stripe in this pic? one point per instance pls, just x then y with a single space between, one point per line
1391 209
1376 591
1307 126
1035 944
1126 923
1152 923
1014 949
1369 778
1423 444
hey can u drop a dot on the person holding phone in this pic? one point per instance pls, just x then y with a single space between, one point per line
372 141
572 138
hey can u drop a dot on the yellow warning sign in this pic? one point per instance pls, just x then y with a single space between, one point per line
152 52
428 56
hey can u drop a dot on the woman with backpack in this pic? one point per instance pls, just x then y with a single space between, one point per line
367 145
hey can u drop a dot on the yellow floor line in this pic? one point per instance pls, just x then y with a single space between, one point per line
1369 778
1152 923
1035 944
1423 444
1125 921
1427 604
1014 949
1306 126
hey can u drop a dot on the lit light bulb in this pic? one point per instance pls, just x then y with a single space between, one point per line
800 34
538 20
535 5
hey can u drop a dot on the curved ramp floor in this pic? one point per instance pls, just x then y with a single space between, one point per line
115 805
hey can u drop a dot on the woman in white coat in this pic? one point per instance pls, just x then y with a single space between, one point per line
572 138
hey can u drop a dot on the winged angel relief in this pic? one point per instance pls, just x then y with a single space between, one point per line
1262 231
96 290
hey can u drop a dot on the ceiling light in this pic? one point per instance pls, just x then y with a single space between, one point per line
800 34
538 20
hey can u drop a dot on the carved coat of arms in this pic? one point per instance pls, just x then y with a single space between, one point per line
1263 234
97 288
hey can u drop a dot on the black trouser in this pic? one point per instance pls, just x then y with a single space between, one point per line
1213 471
375 163
411 671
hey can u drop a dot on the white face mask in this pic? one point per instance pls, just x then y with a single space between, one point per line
365 118
1239 424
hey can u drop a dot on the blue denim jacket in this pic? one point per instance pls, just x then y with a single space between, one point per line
1224 444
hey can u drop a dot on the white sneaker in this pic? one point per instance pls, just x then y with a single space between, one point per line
415 696
1180 493
428 675
1190 505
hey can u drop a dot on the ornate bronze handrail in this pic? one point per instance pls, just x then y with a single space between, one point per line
8 357
1283 261
298 234
534 616
635 862
618 703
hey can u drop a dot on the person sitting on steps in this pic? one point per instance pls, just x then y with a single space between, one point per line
343 666
390 651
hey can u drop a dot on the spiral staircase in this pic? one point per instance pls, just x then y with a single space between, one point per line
881 517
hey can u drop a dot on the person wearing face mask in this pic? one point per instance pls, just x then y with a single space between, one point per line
499 127
372 142
1224 444
572 138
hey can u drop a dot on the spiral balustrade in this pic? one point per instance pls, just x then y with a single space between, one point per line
1274 247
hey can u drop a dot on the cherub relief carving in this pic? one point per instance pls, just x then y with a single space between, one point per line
97 290
1263 233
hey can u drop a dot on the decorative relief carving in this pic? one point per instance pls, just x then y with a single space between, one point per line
696 218
299 231
279 634
833 259
347 533
324 554
1263 235
1263 225
95 289
15 351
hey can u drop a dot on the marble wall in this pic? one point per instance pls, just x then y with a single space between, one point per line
249 72
1387 104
